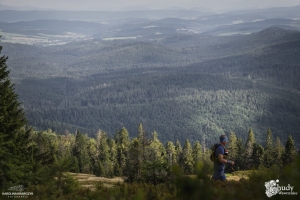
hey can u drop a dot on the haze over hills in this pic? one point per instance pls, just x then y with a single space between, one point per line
191 78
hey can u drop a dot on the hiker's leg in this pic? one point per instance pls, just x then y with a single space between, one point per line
223 176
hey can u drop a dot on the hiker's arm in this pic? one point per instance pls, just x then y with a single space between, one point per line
222 160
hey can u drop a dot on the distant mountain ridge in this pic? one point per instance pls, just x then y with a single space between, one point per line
12 16
28 15
19 8
182 86
55 26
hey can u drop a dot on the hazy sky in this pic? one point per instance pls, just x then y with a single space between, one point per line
152 4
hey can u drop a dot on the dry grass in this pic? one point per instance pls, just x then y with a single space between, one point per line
90 181
238 175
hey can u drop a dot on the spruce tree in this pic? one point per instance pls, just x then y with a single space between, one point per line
269 155
249 149
81 152
94 156
232 147
157 148
156 164
178 152
170 154
257 155
144 142
278 152
12 117
197 153
289 151
13 136
187 158
240 157
133 161
113 156
122 144
103 155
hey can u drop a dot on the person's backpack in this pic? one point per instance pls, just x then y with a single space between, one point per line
213 149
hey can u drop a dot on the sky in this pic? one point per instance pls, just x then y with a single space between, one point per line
150 4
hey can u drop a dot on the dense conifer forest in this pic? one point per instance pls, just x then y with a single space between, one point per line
151 169
190 87
147 110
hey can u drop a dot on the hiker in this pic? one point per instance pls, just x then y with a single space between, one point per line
219 158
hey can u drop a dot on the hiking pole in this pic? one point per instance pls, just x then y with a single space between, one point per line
235 171
231 166
227 167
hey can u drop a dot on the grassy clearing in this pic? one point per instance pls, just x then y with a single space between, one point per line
234 176
41 39
238 175
22 39
90 181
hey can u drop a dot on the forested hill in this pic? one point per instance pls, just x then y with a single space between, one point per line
181 86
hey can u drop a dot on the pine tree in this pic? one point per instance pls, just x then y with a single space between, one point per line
289 151
144 143
170 154
81 152
278 152
7 161
122 144
103 155
269 155
12 117
257 155
240 159
113 156
94 156
232 147
43 149
187 158
158 148
14 137
178 152
249 149
197 153
133 161
155 168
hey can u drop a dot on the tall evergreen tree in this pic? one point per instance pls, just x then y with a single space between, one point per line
81 152
144 142
170 154
269 155
113 155
45 146
133 161
289 151
12 130
232 147
94 157
278 152
257 155
122 144
187 158
178 152
156 165
197 152
103 155
157 147
249 149
240 157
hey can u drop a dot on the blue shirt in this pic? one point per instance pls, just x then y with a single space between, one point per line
219 150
